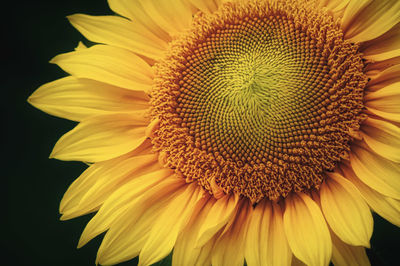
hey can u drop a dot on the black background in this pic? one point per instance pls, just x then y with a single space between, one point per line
33 32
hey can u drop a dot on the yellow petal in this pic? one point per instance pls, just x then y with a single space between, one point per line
266 242
172 16
80 46
77 99
206 252
336 7
199 256
353 8
394 117
380 66
382 74
384 47
383 138
346 211
365 20
375 171
229 247
388 92
88 178
101 138
257 233
185 250
381 77
386 207
111 65
306 230
297 262
128 196
131 229
135 12
101 180
347 255
385 100
119 32
216 218
206 6
169 224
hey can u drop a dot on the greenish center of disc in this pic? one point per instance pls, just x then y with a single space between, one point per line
249 87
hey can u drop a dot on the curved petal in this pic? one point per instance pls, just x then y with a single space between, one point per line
229 247
394 117
204 257
217 217
77 99
206 6
386 207
185 250
304 223
381 77
119 32
383 138
101 138
384 47
169 224
347 255
297 262
385 102
101 180
353 8
375 171
135 12
346 211
111 65
131 229
205 253
88 178
172 16
379 66
385 93
337 7
266 242
365 20
125 197
257 230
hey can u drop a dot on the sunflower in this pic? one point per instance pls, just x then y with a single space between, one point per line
227 131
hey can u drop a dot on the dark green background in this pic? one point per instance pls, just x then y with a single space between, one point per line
33 32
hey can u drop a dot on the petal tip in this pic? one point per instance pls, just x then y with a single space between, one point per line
63 217
74 17
31 99
81 243
56 153
54 60
61 207
83 240
53 154
34 98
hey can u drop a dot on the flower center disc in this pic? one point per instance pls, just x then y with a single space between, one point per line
258 99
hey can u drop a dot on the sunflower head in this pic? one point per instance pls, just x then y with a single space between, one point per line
227 131
259 99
